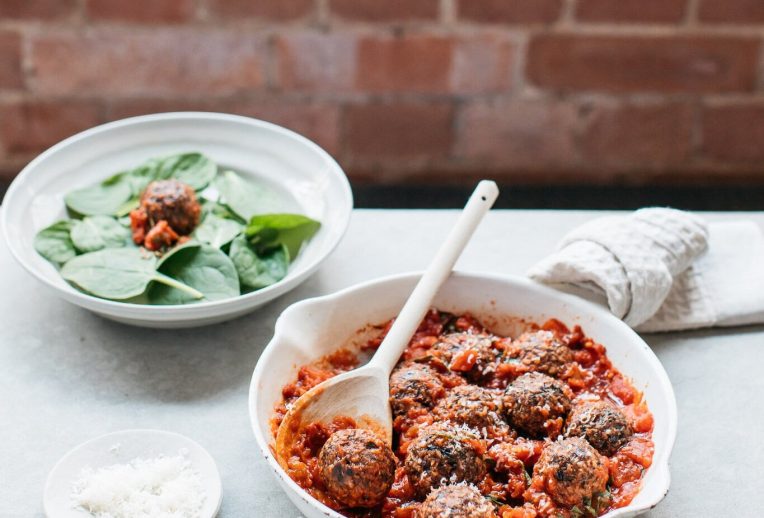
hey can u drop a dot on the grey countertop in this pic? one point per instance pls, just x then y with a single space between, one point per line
67 376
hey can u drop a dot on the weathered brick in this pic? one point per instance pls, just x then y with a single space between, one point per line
159 11
10 60
313 61
42 9
482 64
518 132
734 132
631 11
398 130
510 11
148 62
652 135
275 10
415 63
385 11
643 64
32 126
732 11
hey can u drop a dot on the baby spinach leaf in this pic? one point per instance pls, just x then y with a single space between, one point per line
219 210
54 242
202 267
217 231
291 230
118 273
103 199
193 169
96 232
244 198
258 270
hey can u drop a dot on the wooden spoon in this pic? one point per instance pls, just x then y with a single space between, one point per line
363 393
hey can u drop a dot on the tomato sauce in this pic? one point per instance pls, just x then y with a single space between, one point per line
509 482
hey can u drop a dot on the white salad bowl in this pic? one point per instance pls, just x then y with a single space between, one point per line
315 327
302 176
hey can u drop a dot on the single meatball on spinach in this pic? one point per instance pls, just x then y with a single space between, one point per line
356 467
600 423
540 351
473 406
443 453
457 501
571 471
414 385
537 405
168 209
174 202
469 354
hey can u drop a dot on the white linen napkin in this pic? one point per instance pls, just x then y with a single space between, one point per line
664 269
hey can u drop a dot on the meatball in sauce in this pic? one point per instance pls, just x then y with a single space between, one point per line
444 453
571 471
537 404
600 423
168 212
357 467
476 407
414 386
542 351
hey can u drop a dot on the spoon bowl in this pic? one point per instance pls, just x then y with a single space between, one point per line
361 394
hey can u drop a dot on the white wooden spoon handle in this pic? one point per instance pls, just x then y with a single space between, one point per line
437 272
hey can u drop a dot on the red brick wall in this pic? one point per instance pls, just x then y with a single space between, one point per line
630 91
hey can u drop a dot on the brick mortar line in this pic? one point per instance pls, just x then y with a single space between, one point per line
357 98
691 13
447 13
415 29
567 17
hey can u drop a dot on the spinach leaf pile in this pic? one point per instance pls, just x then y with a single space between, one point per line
240 245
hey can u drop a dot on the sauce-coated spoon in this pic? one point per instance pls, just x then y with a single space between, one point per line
363 393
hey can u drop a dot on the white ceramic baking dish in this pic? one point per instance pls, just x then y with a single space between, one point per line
312 328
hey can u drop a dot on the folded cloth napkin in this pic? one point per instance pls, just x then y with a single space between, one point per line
664 269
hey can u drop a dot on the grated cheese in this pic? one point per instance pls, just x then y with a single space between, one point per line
162 487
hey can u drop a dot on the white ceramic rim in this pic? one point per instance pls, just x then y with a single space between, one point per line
199 447
661 463
146 310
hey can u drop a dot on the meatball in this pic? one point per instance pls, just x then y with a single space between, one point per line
541 351
600 423
443 453
537 405
356 467
469 354
414 385
473 406
457 501
174 202
571 471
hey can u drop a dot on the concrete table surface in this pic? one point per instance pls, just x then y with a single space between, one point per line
67 375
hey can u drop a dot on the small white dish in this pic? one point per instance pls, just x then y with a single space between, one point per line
304 176
120 448
315 327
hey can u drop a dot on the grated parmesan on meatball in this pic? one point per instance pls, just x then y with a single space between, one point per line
457 501
541 351
473 406
443 453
